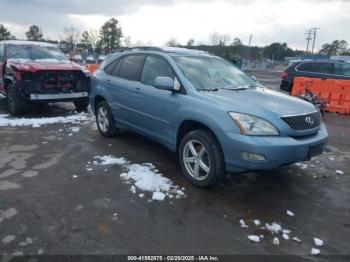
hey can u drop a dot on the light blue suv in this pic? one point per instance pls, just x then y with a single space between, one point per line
214 116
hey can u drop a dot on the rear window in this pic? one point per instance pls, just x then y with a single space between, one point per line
342 69
314 67
130 67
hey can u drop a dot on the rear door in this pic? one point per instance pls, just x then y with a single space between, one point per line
156 106
124 88
2 61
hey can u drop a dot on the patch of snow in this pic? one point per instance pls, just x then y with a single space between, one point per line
40 251
331 158
254 238
276 241
146 179
75 129
158 196
75 176
8 239
315 251
109 160
26 242
285 236
7 213
274 227
296 239
286 231
257 222
290 213
339 172
141 195
318 242
301 165
243 224
133 189
5 120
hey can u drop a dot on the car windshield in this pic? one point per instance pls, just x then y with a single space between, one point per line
213 73
36 53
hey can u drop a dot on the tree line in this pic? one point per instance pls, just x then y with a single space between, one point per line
110 37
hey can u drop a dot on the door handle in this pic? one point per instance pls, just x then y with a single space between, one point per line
137 90
108 81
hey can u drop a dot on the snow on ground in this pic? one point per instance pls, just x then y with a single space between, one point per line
144 177
290 213
274 227
243 224
109 160
339 172
315 251
5 120
318 242
276 241
254 238
257 222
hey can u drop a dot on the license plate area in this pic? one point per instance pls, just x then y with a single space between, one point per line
315 150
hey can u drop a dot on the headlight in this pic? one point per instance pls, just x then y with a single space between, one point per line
254 126
86 71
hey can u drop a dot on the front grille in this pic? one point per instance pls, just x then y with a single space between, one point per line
303 122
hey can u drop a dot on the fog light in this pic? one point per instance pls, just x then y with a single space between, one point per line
253 157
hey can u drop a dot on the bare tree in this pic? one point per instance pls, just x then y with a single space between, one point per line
71 35
172 42
214 38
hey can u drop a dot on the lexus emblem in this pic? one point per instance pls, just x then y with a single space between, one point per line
309 120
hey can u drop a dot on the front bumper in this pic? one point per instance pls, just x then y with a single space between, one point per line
278 151
60 96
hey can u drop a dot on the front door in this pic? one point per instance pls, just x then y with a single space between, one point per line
156 106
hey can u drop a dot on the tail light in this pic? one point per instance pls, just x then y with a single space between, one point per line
284 75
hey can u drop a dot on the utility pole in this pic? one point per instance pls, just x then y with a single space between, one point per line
250 42
313 43
308 38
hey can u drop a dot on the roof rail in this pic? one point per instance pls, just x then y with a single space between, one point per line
141 48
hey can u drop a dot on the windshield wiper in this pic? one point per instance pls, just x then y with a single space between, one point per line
235 88
212 90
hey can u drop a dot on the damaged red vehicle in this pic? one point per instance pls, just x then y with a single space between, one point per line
36 72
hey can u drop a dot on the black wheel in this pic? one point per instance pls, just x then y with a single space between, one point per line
105 120
81 104
201 158
15 103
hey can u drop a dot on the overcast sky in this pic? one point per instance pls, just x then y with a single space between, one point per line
155 21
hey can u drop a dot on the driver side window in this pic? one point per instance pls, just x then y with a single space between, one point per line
153 67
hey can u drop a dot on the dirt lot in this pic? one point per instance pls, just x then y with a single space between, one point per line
55 200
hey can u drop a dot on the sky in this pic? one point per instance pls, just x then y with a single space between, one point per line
153 22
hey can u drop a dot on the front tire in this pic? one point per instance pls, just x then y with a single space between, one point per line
105 120
201 158
81 104
15 103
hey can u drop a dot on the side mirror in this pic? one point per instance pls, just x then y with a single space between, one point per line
164 83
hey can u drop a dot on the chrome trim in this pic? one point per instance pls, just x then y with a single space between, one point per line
300 114
57 96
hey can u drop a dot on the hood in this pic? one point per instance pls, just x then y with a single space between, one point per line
47 64
260 102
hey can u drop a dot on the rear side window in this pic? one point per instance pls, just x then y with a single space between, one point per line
130 67
342 69
321 68
109 68
155 66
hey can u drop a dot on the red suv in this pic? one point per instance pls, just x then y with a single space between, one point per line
35 72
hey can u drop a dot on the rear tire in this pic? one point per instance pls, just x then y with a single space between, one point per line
105 120
201 158
15 103
81 104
